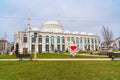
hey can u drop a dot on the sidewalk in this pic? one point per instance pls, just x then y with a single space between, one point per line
62 59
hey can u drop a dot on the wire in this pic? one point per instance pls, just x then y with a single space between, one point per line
63 20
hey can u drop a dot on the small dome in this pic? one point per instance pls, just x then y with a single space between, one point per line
83 33
35 29
51 22
90 33
75 32
67 31
52 26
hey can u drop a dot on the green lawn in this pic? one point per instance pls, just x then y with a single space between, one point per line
55 55
60 70
67 55
7 56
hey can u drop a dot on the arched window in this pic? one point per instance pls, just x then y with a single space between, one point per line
63 39
95 40
52 39
92 40
77 40
33 39
25 39
80 39
88 40
58 39
40 39
72 39
85 40
68 39
47 39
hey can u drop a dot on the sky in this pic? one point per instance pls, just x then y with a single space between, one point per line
75 15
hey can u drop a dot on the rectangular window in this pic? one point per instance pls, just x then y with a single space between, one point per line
40 40
33 48
88 40
92 40
52 47
40 48
95 40
25 39
63 47
58 47
47 48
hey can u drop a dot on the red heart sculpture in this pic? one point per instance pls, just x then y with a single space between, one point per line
73 48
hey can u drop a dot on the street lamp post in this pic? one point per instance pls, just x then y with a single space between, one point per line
35 53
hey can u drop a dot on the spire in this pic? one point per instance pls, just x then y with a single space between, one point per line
28 21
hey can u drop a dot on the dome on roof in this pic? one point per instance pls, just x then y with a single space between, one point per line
90 33
52 22
67 31
75 32
83 33
52 26
35 29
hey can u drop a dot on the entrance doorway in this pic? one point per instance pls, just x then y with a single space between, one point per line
25 50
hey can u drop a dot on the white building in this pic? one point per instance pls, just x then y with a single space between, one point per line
117 42
52 37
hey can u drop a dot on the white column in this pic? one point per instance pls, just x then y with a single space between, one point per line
43 43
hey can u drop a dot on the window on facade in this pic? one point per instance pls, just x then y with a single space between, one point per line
85 40
58 47
77 40
40 48
63 47
58 39
92 40
25 39
40 39
95 40
63 39
33 39
85 47
47 39
80 39
52 39
68 39
96 47
92 47
72 39
52 47
88 40
47 48
88 47
32 48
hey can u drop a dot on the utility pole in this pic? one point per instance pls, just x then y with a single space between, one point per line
35 53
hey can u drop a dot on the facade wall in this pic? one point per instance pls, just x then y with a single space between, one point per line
90 42
117 42
3 46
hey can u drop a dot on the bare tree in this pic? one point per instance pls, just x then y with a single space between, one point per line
107 35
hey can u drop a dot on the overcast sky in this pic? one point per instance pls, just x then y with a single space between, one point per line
75 15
